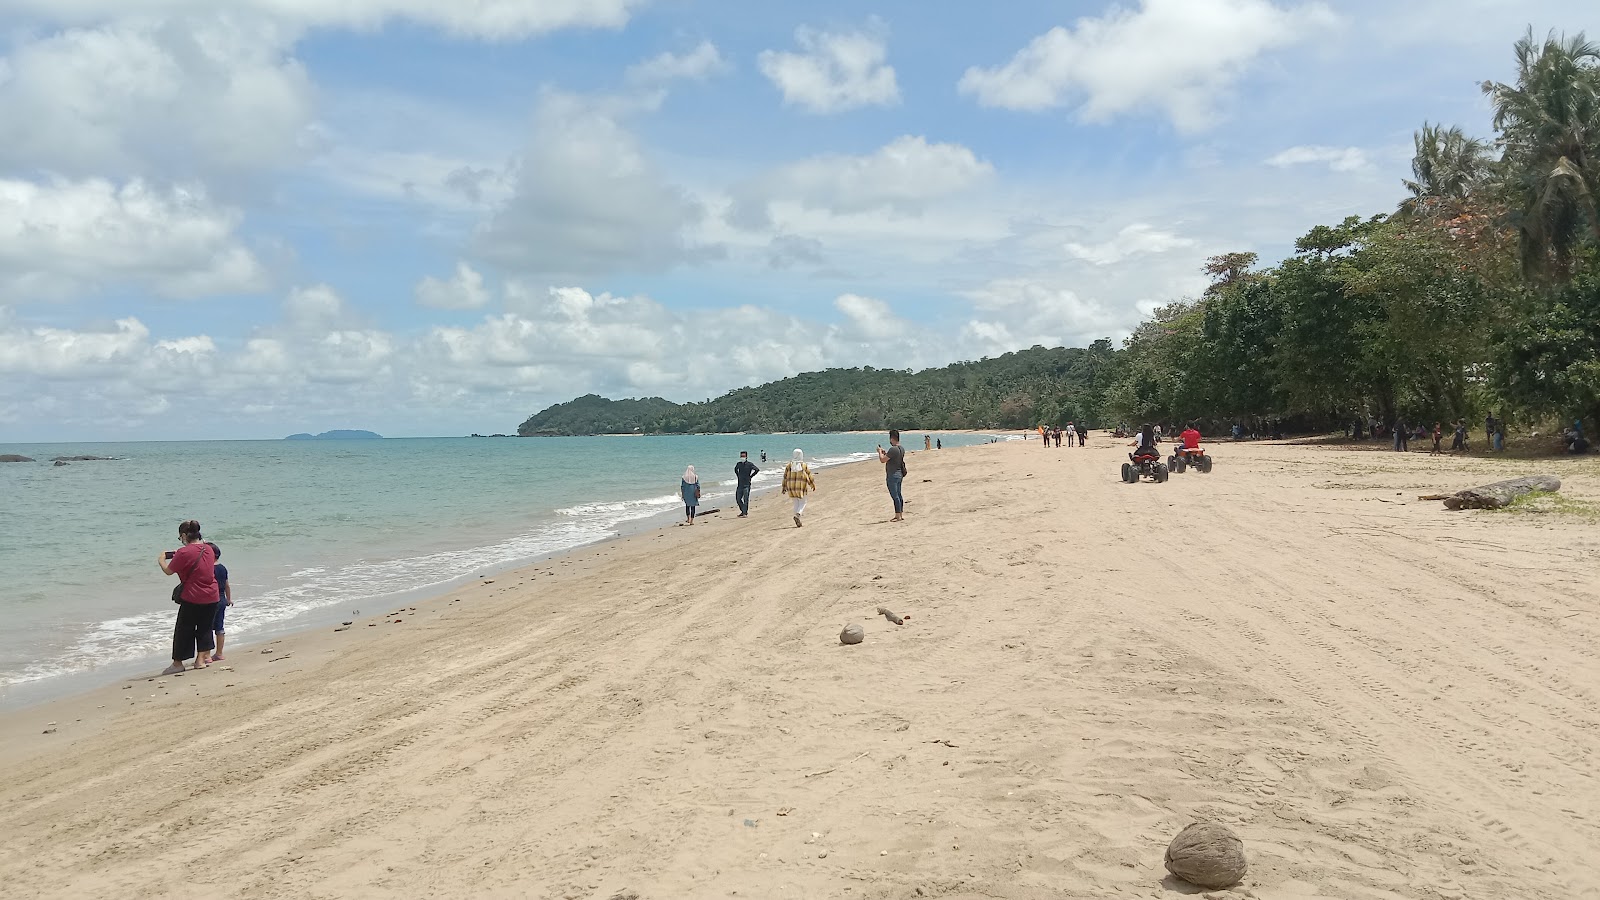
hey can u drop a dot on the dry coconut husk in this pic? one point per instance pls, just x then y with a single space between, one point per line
852 634
1207 855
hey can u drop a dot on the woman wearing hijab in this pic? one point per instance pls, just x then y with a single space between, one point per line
690 489
797 482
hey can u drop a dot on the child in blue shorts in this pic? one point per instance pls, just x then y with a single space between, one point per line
224 600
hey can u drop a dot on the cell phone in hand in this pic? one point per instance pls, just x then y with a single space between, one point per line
171 553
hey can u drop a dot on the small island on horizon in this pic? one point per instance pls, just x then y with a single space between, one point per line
336 435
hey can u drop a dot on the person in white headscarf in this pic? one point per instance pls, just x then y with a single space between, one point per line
691 494
797 482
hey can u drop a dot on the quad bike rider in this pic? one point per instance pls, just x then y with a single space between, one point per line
1145 460
1189 453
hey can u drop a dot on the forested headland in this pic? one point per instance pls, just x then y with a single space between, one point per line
1479 292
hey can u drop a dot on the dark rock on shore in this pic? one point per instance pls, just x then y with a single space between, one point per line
12 457
62 462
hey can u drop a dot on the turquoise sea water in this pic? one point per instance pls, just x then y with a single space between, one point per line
321 526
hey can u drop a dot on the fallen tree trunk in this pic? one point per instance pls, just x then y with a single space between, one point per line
1501 493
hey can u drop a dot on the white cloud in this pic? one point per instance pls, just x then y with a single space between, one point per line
835 71
1017 313
488 19
62 353
903 175
64 237
1174 55
587 201
1338 159
464 290
1134 240
698 64
152 98
870 319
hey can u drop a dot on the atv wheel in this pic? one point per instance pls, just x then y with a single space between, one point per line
1161 474
1179 464
1127 473
1205 464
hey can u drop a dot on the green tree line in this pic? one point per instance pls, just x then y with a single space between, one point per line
1480 292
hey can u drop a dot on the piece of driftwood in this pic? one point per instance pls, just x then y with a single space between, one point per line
889 614
1501 493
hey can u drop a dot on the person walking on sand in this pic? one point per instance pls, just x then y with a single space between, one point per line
745 471
1460 442
894 469
690 489
1438 435
196 596
797 482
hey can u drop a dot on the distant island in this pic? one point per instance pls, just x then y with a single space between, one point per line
1017 390
337 435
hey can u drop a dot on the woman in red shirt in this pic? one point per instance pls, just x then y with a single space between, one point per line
195 565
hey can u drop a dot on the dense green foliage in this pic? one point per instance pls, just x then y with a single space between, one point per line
1017 390
1480 293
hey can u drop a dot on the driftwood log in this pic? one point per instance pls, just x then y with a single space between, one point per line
889 614
1501 493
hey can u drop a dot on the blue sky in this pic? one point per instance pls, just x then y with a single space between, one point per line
423 218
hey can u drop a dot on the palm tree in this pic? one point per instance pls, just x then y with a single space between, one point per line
1550 130
1448 167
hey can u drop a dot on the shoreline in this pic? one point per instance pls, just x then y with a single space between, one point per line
1081 675
31 695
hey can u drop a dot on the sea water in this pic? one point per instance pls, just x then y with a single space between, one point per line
313 530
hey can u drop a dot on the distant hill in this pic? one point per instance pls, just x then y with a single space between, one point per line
338 435
1017 390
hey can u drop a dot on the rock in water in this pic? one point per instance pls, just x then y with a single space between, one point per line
1207 855
852 634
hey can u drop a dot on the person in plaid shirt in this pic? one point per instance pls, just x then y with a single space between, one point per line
797 482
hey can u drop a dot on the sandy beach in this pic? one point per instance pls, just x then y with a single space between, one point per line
1384 699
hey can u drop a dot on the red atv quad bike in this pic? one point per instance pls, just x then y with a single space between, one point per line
1183 457
1144 465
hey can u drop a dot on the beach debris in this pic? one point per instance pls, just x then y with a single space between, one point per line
50 730
890 615
625 895
342 628
864 755
751 823
281 658
945 742
1207 855
346 623
372 624
852 634
1501 493
785 810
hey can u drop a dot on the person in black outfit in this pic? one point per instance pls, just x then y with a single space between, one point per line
745 471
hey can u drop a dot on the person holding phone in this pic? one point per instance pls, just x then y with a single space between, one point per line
196 595
894 468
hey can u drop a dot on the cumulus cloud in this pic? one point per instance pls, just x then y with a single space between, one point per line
464 290
833 72
62 237
1017 313
1177 56
587 200
1134 240
155 97
903 176
1337 159
698 64
487 19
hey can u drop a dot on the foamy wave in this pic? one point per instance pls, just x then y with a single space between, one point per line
654 504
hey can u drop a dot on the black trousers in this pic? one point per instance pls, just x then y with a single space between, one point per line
192 634
742 496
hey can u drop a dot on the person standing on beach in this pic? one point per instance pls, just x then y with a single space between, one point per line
927 442
938 444
690 489
196 595
224 600
894 467
744 470
1438 435
797 482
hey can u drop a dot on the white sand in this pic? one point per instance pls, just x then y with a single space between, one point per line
1384 700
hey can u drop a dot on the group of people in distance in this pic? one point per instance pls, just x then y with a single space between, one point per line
1051 435
798 481
203 596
